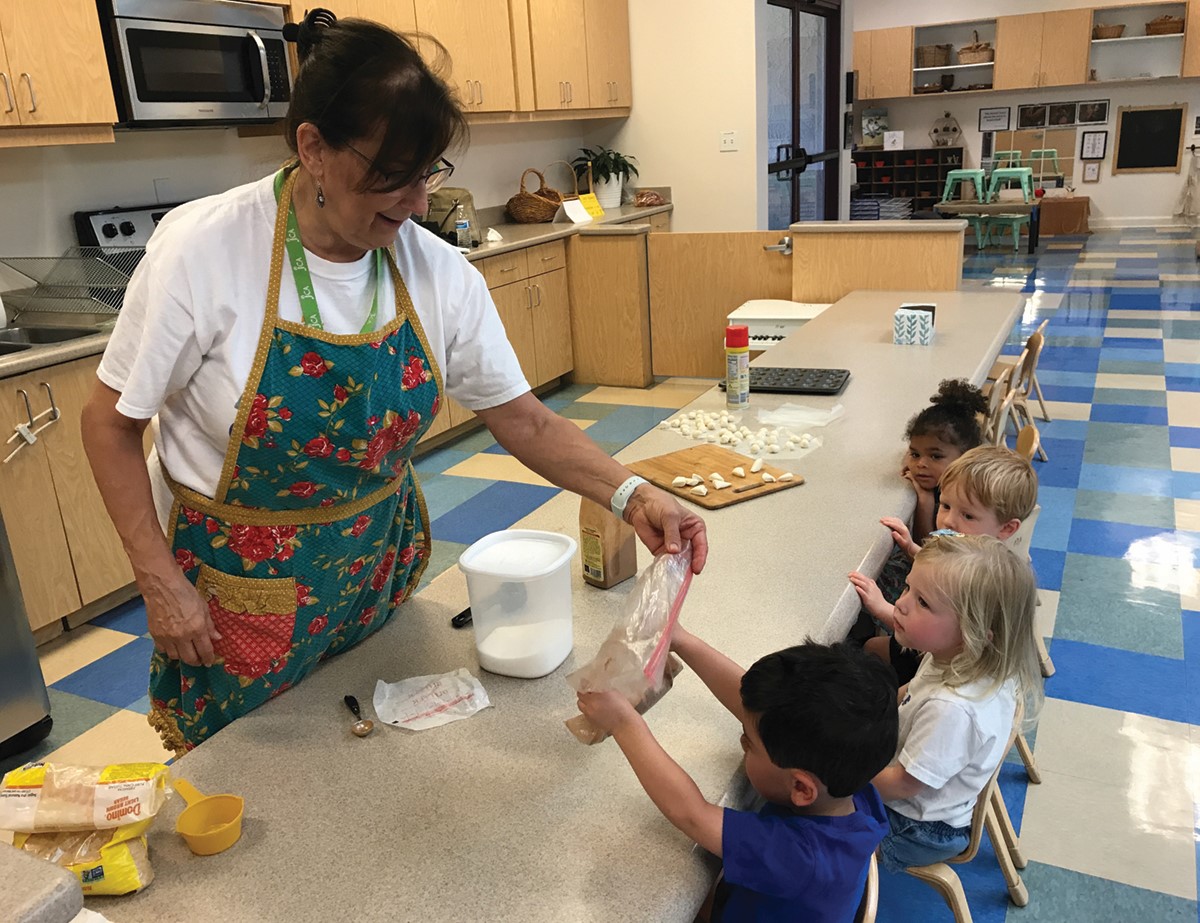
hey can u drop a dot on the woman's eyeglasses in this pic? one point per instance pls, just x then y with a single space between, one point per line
434 178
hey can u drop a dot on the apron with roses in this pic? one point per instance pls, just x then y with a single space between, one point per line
318 529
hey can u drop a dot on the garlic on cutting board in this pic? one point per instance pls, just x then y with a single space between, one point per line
700 490
740 471
757 466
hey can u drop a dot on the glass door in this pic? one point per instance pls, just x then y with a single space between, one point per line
803 126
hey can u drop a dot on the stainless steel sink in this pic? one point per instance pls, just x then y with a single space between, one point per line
7 348
24 336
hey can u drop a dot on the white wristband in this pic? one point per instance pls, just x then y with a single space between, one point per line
624 492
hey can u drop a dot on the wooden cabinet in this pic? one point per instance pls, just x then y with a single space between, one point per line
551 314
29 508
66 550
1191 41
560 55
478 38
660 223
609 74
514 303
395 14
56 70
342 9
8 101
1042 49
884 61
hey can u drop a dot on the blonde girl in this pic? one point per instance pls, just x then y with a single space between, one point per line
968 605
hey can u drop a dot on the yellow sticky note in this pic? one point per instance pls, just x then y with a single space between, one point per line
592 204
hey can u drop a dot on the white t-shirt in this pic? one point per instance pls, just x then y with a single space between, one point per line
951 742
186 336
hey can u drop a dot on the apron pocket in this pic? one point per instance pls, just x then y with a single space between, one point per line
255 617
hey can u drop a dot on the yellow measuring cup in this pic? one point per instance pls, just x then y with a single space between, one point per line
210 823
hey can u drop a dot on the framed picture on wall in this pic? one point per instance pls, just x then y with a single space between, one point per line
1092 112
1032 116
1062 114
1091 171
995 119
1094 145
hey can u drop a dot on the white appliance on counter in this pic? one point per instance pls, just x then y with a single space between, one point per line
771 319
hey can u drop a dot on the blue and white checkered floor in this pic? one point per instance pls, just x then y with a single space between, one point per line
1111 833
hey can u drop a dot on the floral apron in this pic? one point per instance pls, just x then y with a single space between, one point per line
318 529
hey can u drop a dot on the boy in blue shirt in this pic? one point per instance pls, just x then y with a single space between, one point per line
818 723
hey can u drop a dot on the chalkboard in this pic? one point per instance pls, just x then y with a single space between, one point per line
1150 139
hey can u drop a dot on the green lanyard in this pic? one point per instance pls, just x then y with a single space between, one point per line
303 279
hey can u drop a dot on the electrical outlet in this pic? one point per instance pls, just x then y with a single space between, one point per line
728 142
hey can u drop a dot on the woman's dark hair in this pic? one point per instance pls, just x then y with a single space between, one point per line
827 709
953 415
357 77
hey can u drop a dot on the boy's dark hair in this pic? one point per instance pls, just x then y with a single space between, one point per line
952 417
827 709
358 77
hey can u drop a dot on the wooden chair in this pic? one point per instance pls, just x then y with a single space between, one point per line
996 392
1021 389
1019 542
1028 441
990 813
870 899
1004 363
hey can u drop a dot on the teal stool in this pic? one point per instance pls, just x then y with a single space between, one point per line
1049 153
1007 158
958 177
979 223
1009 222
1023 175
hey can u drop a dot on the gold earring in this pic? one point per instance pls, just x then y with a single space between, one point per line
320 195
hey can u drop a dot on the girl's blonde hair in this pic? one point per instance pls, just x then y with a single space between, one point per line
994 595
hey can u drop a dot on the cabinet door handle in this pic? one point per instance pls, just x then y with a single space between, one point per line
55 413
32 96
12 103
470 92
562 92
529 297
570 93
538 290
479 87
509 269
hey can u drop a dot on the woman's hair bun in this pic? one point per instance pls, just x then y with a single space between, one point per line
307 33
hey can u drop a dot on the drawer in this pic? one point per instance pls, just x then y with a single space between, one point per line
547 257
505 268
660 222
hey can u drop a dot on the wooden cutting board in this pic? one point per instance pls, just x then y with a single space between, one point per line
704 460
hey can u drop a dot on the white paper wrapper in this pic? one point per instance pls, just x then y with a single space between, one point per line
423 702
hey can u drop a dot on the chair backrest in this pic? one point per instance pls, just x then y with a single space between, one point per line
1021 540
869 905
996 398
1025 369
985 796
1028 440
999 423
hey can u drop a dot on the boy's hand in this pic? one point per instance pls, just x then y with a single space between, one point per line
607 710
872 597
900 535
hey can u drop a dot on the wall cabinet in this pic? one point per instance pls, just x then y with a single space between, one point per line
884 61
478 38
66 550
560 54
37 86
1042 49
1191 41
606 23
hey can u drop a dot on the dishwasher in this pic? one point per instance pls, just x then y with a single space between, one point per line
24 703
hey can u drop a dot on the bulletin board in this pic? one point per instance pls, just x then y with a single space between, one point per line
1150 139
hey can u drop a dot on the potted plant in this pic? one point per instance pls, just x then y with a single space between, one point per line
610 170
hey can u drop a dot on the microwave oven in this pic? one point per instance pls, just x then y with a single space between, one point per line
189 62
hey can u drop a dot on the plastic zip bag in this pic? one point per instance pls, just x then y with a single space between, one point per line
110 861
635 657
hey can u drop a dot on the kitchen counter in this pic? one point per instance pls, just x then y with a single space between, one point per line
516 237
35 891
877 227
505 816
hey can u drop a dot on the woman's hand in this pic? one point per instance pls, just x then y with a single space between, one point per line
664 525
607 710
900 535
180 623
872 598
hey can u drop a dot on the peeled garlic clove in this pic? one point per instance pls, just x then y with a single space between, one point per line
740 471
674 424
680 482
786 476
755 447
773 449
700 490
720 485
768 477
757 466
804 443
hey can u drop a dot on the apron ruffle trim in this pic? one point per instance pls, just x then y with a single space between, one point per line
168 730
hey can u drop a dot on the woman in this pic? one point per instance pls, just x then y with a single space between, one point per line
291 336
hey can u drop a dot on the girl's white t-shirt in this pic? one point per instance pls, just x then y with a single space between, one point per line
186 337
951 740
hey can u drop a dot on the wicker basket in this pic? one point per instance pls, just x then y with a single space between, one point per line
535 207
934 55
977 52
1165 25
1100 30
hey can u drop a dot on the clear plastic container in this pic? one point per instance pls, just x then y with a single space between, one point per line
519 585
